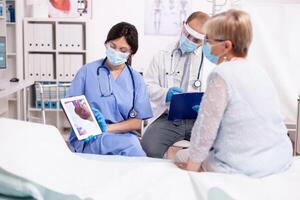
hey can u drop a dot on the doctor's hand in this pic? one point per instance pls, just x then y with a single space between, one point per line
172 91
100 119
196 108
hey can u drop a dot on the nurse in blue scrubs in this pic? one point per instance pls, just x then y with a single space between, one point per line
117 95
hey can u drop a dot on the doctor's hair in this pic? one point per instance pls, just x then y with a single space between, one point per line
201 17
233 25
129 32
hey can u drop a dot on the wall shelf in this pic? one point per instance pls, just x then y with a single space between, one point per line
46 109
12 32
54 50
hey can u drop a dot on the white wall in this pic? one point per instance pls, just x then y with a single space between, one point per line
275 45
107 13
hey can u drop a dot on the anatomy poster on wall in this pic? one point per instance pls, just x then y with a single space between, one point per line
70 8
165 17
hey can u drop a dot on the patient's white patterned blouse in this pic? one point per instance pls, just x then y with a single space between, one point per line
240 122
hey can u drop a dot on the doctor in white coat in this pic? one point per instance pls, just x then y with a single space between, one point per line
179 68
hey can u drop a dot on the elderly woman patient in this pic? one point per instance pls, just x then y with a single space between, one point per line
239 128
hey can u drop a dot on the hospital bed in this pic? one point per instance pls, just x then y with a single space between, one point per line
36 162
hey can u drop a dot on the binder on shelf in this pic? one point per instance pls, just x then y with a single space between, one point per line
70 37
36 66
76 62
38 100
53 96
63 36
49 66
30 65
46 32
47 103
43 67
60 67
30 35
60 37
36 39
38 36
77 36
67 67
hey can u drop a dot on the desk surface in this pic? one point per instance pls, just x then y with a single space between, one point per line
8 88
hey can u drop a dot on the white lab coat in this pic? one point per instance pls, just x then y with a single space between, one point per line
160 76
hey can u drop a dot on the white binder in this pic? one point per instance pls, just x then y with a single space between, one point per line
76 63
67 67
30 36
49 67
30 65
36 37
77 36
43 66
36 66
60 37
46 36
60 67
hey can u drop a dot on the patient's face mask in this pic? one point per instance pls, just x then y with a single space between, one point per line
207 51
116 57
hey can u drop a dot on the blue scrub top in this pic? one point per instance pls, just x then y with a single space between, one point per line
97 90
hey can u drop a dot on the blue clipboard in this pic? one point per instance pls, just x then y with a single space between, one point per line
181 105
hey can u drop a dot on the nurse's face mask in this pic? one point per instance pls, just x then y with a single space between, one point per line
115 55
190 39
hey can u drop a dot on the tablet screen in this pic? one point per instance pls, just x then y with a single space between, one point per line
80 116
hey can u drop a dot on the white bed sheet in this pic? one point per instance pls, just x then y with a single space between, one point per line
38 156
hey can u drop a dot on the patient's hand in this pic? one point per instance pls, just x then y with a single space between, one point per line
193 166
181 165
189 166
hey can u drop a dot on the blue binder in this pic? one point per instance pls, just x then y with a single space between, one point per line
181 105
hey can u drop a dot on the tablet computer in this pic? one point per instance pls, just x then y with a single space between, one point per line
80 116
181 105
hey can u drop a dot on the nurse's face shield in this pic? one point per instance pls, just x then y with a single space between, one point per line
192 35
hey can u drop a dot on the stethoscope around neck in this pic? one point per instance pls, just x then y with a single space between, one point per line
197 82
132 113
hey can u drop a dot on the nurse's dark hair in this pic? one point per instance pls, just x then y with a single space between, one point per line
129 32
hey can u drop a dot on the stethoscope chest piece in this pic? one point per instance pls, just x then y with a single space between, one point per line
197 84
132 114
